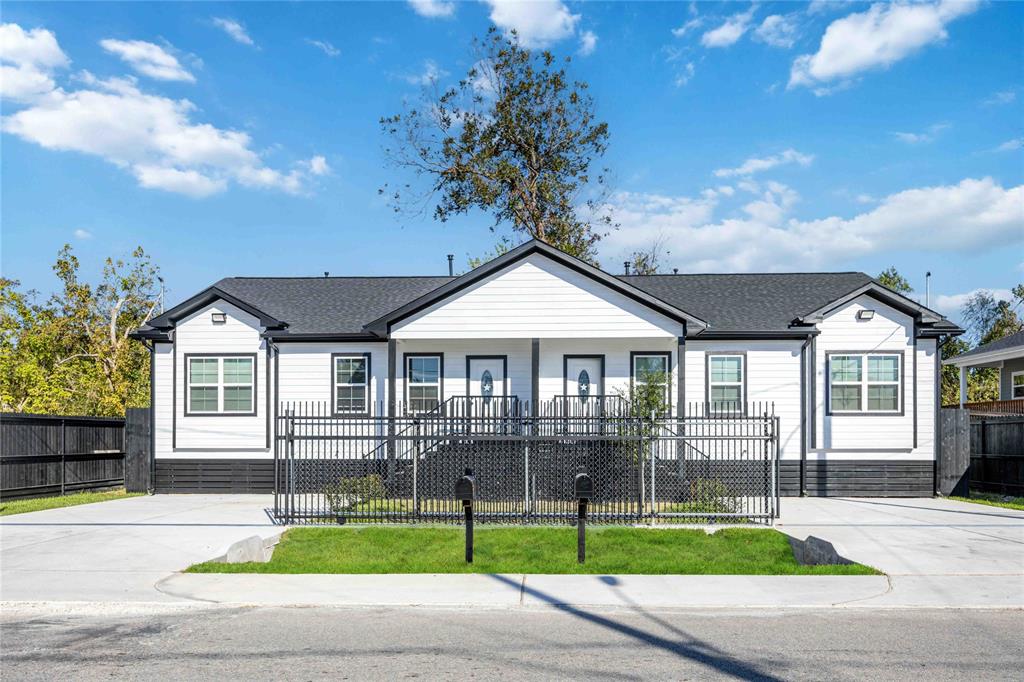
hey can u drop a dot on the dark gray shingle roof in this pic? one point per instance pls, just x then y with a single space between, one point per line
328 305
1005 343
750 302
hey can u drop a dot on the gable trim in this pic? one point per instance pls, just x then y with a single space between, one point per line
168 319
383 325
882 294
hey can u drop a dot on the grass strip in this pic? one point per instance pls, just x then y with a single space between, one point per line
993 500
548 550
9 507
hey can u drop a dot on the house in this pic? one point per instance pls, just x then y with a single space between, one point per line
850 366
1006 354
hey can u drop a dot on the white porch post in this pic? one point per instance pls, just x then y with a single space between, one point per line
963 385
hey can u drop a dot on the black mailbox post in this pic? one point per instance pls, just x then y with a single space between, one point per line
583 488
465 490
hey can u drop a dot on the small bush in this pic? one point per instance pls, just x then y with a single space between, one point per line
711 496
348 492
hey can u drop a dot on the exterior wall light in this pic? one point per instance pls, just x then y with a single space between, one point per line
865 314
221 318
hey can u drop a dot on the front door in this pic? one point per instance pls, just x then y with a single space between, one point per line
584 383
485 382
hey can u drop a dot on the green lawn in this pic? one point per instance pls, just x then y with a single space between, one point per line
994 500
8 507
610 550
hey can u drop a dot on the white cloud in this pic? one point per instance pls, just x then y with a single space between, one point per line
950 304
318 166
433 9
875 39
756 165
82 234
684 75
972 215
28 60
926 136
148 59
538 23
588 43
688 26
431 74
1011 145
729 32
865 199
326 47
778 30
235 30
1001 97
152 137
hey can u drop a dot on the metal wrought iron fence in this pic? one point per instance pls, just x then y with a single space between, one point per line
708 465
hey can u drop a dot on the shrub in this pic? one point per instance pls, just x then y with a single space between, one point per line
348 492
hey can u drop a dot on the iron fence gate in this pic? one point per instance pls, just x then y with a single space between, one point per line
706 466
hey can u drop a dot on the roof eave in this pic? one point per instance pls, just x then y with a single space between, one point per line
168 319
886 295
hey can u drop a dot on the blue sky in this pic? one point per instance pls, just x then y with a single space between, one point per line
243 139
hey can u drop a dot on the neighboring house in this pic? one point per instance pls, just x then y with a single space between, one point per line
851 366
1006 354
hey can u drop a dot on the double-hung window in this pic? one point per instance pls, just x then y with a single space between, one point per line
865 383
1017 385
352 384
652 368
423 382
725 382
221 384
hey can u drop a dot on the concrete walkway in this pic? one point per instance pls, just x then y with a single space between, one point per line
937 554
117 551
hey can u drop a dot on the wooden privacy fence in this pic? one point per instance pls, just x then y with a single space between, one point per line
997 455
54 455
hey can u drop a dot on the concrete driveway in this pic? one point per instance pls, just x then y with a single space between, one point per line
117 551
933 550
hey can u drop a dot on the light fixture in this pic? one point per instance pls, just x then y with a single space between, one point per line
865 314
219 318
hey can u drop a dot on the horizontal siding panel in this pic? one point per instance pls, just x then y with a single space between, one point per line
859 478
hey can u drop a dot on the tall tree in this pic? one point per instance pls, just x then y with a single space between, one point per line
891 278
72 354
986 319
515 138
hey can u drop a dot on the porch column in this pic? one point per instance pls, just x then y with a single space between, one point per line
681 375
392 406
535 376
963 385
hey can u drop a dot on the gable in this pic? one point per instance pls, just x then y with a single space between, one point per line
536 296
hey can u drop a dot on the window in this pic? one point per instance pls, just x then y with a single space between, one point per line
862 383
220 385
650 367
725 382
423 381
1017 385
352 384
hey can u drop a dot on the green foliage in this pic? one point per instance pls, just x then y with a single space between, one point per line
71 354
649 261
891 278
346 493
9 507
503 246
711 495
610 551
986 319
514 138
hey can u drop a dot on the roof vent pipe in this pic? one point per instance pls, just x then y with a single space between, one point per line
326 274
625 264
675 271
451 266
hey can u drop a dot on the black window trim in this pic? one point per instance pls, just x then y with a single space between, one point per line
504 370
708 354
334 385
440 375
667 354
185 385
865 412
585 356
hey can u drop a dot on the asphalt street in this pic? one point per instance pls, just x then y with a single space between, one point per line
264 643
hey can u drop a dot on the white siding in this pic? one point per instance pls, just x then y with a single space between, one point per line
189 436
536 297
617 368
455 352
305 373
875 436
772 375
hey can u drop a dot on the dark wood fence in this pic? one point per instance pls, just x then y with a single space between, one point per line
997 455
952 469
47 455
137 444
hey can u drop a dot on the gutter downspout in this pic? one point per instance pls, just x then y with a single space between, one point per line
803 414
152 416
